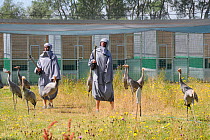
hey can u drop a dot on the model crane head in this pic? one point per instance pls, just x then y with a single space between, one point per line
7 72
126 66
54 78
23 77
180 70
17 67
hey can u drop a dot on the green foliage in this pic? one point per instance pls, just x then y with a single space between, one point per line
11 11
89 9
115 9
40 9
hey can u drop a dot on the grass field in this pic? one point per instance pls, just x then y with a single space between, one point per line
163 114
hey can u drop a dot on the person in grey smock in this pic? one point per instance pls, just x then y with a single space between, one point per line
47 68
101 64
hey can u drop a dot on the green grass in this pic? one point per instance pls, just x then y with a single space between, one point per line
163 114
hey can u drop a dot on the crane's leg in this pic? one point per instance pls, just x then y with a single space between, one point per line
13 97
132 97
16 99
193 112
27 106
136 109
187 113
34 111
140 108
138 99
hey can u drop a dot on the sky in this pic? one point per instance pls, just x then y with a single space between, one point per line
26 3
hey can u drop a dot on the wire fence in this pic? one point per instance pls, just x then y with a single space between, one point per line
156 51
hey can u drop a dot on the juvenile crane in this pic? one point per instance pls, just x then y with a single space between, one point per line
189 94
50 88
15 89
26 83
28 95
136 86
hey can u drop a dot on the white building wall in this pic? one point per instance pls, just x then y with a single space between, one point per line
145 44
196 45
138 44
149 44
181 44
7 45
55 40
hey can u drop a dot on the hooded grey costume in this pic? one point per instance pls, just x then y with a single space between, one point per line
48 62
102 88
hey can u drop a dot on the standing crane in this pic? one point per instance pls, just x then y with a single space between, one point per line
50 88
189 94
28 95
136 86
15 89
26 83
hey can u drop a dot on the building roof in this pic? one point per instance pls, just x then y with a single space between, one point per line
94 27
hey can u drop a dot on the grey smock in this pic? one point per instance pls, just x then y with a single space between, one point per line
48 62
102 88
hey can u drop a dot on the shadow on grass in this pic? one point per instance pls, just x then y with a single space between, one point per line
6 138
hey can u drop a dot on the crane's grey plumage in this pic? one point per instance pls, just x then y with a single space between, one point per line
28 95
50 88
90 81
189 94
26 83
128 81
136 86
15 89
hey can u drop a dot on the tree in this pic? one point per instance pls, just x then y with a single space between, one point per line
65 9
115 9
40 9
207 10
184 8
11 11
156 9
89 9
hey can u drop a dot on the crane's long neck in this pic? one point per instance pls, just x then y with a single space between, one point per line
141 78
18 72
126 73
180 79
91 73
19 76
23 85
56 83
8 78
